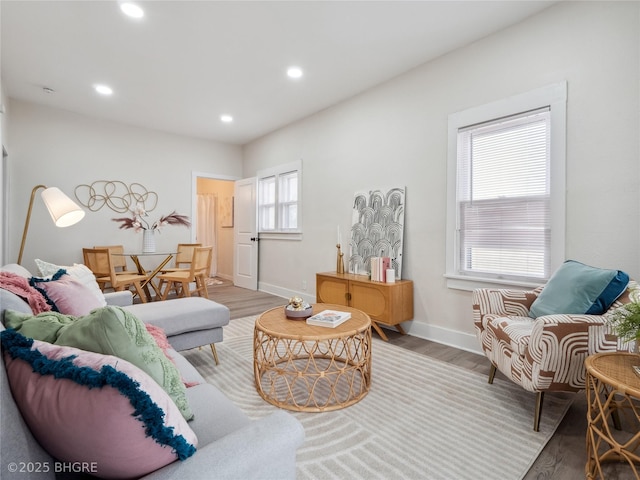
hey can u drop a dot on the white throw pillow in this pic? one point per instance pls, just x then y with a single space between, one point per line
17 269
78 271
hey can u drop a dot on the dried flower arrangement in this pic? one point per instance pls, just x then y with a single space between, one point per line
137 221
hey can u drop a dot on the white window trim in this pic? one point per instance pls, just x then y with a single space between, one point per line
277 171
554 96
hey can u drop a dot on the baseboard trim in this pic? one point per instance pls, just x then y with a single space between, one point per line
224 276
445 336
285 292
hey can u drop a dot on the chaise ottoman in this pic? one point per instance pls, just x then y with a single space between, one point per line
189 322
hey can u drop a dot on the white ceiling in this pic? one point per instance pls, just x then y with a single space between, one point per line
187 62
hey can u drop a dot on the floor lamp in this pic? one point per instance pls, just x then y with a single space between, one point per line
64 211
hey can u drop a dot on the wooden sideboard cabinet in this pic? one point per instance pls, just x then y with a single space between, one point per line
386 303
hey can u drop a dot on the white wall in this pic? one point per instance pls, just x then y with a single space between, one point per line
396 135
3 139
3 205
58 148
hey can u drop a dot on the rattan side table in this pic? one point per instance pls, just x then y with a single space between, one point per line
308 368
613 392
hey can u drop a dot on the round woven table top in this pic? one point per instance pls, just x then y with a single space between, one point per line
275 323
616 369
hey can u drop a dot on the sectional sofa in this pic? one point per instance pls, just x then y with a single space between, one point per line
69 412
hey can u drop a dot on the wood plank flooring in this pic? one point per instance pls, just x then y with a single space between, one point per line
243 302
563 458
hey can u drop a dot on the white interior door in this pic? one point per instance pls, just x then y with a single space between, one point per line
245 273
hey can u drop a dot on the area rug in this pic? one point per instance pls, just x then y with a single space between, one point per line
422 419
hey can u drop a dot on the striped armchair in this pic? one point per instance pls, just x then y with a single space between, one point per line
546 353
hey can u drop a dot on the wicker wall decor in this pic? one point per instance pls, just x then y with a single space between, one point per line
116 195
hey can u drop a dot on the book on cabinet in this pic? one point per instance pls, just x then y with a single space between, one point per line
379 267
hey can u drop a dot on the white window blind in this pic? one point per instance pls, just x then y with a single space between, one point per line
288 189
267 203
279 199
503 197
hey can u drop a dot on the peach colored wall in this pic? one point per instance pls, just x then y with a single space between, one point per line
224 235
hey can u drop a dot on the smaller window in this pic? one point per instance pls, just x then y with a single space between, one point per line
267 203
279 199
288 188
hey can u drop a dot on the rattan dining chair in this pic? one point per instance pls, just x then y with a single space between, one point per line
118 258
98 260
183 257
179 281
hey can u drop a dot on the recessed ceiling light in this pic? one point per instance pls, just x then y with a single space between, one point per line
131 10
103 89
294 72
226 118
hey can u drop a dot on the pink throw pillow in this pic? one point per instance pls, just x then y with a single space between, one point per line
87 407
77 271
67 294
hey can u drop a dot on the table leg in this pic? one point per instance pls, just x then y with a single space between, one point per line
377 328
150 276
155 272
136 262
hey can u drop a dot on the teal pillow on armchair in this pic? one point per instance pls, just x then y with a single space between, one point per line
580 289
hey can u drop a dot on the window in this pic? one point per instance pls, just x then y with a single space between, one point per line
506 203
279 199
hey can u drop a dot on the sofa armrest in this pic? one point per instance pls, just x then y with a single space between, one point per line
502 302
119 299
583 334
264 449
559 345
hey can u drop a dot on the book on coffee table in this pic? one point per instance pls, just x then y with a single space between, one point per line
328 318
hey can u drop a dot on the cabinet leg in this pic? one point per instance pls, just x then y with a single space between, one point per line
379 330
400 329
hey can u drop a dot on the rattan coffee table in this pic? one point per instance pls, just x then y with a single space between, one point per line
613 391
312 369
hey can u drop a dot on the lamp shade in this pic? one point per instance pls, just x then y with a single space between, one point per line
64 211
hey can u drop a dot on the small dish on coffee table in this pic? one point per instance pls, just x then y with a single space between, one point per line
292 314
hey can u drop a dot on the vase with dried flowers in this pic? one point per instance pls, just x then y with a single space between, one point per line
138 222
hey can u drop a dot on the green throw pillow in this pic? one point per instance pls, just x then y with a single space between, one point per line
45 326
579 289
108 330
